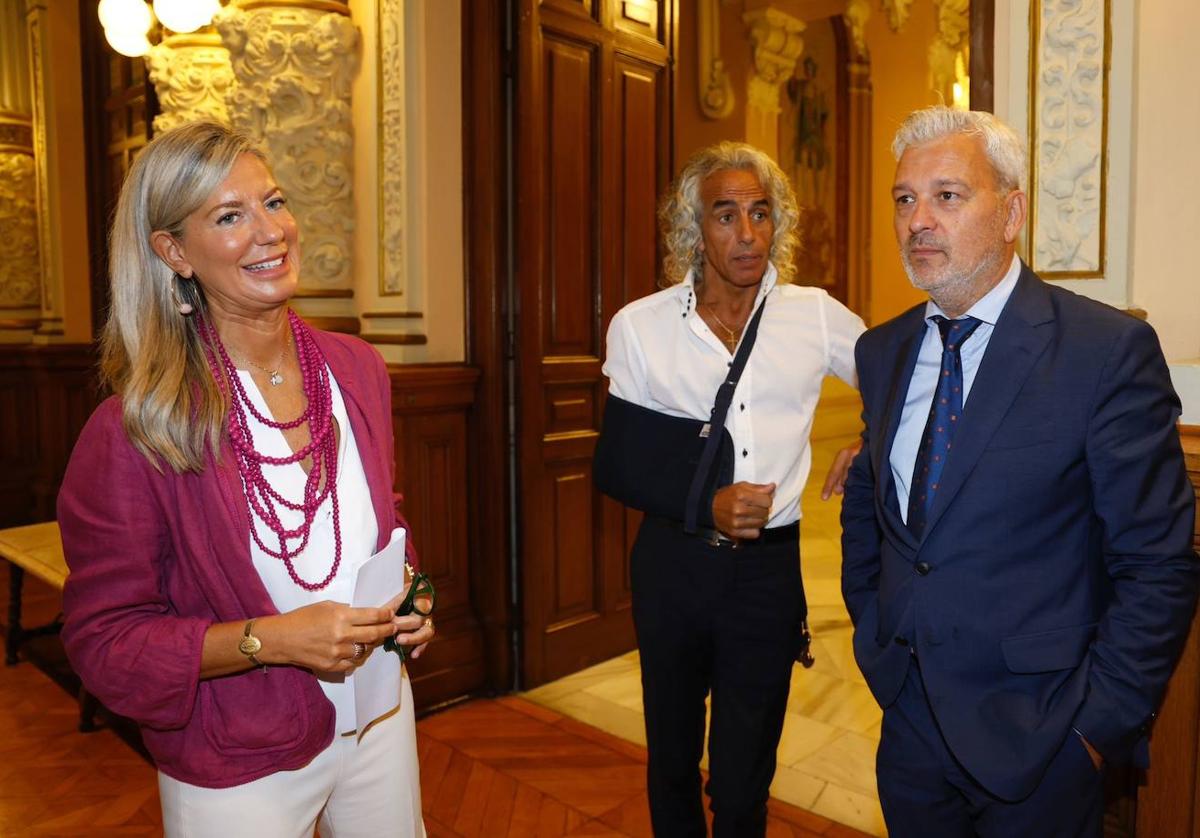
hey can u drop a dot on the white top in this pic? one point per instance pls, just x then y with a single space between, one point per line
360 530
919 397
662 355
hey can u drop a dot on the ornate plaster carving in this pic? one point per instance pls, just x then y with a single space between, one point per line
1068 137
716 90
293 67
393 248
897 12
192 77
857 13
953 32
20 267
778 42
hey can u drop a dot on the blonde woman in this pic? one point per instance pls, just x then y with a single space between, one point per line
217 508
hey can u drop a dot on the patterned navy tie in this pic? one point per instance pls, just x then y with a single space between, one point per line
944 415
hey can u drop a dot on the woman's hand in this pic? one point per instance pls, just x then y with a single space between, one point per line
321 636
412 629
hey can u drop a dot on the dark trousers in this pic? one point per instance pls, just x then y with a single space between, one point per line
925 792
723 621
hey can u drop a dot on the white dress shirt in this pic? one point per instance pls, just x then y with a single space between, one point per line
359 531
924 378
662 355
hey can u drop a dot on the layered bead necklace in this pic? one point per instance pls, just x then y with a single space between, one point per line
263 500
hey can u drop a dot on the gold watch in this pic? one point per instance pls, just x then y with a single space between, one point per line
250 645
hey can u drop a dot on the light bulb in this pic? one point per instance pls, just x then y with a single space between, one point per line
185 15
125 16
132 44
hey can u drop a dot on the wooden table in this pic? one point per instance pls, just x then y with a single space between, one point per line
36 549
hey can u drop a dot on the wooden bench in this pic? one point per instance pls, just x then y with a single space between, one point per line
36 549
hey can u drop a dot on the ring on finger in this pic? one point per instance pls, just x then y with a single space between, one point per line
359 650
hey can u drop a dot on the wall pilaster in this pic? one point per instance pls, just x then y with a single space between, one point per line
20 267
294 63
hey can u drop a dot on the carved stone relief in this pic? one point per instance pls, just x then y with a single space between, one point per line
953 33
897 12
192 77
20 270
1068 142
778 42
857 13
294 68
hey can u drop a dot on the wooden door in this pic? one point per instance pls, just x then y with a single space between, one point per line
592 152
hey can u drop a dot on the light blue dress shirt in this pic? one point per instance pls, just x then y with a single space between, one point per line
924 378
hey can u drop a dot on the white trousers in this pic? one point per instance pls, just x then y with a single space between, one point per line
353 788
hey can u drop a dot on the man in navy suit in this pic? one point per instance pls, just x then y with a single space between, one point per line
1018 524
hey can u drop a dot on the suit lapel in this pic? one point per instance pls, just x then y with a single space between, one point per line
904 351
1017 342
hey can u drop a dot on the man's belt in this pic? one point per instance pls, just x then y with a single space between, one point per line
789 534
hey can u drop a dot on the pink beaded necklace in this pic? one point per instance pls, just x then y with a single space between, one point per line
261 497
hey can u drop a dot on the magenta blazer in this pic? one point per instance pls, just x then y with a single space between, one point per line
157 557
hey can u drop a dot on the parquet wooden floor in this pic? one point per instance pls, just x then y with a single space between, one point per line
490 768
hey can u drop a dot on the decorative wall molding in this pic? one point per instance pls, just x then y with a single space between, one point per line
1068 130
777 42
716 89
953 34
192 76
51 316
294 63
393 244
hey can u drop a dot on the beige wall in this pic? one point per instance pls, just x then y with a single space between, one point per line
1166 210
901 84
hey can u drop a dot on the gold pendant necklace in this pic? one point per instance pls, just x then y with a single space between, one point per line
275 376
733 334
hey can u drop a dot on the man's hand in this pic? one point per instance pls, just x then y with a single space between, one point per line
835 480
741 510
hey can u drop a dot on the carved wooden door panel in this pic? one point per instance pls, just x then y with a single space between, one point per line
592 150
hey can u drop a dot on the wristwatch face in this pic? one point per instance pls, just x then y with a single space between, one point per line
250 645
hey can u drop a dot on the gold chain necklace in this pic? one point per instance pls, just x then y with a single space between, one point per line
276 377
734 334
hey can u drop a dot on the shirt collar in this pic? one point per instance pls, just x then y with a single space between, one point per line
988 307
685 291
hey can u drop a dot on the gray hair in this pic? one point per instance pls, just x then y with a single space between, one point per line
681 210
1003 147
151 355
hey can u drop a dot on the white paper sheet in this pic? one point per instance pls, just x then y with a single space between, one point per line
377 681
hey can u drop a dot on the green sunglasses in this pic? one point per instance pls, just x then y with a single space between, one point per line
422 586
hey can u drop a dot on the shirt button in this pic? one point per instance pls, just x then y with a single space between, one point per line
745 453
923 568
741 407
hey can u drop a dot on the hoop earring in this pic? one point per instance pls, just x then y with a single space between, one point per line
183 307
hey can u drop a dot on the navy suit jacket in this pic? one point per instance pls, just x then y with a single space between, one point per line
1055 580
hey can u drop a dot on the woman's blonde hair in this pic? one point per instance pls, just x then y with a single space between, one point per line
151 355
682 210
